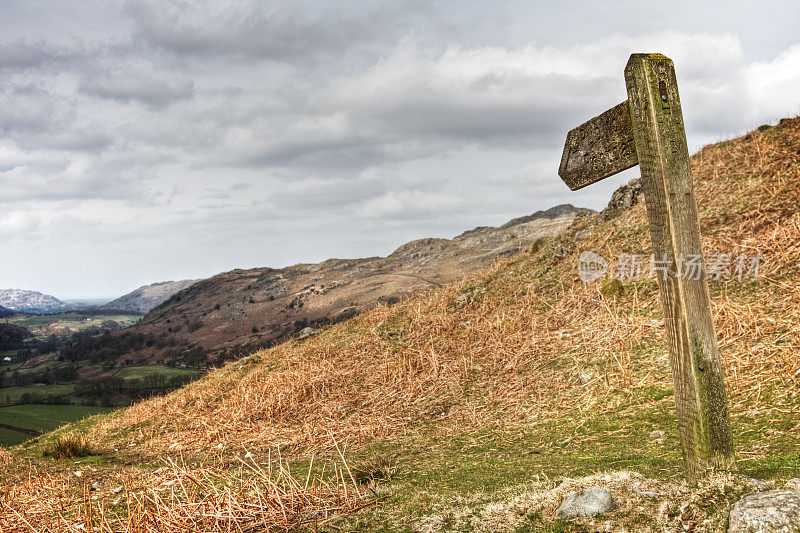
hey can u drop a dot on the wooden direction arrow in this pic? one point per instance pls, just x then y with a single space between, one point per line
600 148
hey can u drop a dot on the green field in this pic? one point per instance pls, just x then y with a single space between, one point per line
75 321
139 372
14 394
9 437
42 418
65 393
38 369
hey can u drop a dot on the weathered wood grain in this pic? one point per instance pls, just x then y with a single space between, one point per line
660 139
598 148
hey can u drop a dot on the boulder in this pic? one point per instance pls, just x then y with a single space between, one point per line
775 511
588 502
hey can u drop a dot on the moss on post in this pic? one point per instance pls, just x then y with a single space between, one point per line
700 395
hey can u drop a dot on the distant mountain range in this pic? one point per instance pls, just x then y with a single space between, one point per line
31 302
238 311
145 298
139 302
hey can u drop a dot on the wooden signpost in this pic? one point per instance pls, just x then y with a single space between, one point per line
647 129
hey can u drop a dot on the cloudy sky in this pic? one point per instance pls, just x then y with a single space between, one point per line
142 142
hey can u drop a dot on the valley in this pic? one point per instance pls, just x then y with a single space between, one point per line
164 335
39 390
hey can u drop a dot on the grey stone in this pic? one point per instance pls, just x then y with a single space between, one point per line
566 482
307 332
757 484
469 296
588 502
657 434
793 484
776 511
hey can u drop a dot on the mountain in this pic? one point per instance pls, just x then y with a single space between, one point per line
31 302
237 312
482 405
85 304
145 298
5 311
553 212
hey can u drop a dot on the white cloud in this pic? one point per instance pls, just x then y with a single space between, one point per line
18 222
771 87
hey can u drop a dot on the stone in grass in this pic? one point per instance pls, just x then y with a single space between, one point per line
307 332
772 511
588 502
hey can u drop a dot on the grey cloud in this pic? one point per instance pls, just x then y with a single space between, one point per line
340 155
33 112
20 55
127 87
59 178
71 141
65 188
327 195
279 32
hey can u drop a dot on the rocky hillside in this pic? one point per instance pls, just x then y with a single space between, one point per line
488 404
31 302
236 312
145 298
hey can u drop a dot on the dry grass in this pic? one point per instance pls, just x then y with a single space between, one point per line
522 342
5 457
255 496
534 343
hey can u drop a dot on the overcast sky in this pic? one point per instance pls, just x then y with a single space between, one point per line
142 142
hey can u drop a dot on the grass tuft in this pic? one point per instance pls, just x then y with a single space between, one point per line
68 446
380 467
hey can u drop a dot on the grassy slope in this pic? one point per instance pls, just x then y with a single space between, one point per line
139 372
40 418
484 408
46 417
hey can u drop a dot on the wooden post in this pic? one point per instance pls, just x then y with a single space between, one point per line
700 398
602 147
